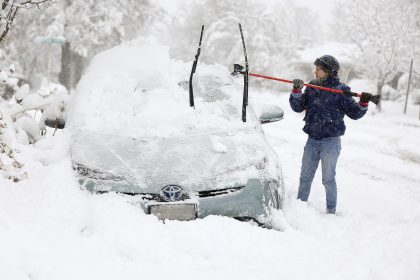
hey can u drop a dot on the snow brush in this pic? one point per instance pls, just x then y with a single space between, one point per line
238 69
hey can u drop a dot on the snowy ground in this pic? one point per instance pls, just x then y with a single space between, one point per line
50 229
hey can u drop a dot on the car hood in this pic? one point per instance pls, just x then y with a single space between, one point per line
194 162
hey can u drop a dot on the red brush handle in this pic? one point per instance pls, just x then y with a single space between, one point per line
308 85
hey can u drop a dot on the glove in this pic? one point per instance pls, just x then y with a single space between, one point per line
365 98
298 84
347 92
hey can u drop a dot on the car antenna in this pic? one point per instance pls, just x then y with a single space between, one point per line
194 67
245 73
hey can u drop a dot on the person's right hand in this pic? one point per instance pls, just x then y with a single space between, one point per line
298 84
347 92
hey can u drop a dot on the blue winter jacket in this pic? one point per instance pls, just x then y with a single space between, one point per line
325 110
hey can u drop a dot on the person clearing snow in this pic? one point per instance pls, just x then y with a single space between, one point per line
324 124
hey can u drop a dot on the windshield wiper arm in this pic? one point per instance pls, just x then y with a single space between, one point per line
246 72
194 67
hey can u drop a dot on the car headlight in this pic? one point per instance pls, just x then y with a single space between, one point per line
274 189
95 174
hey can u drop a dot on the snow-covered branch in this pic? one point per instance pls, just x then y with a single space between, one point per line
386 36
9 10
11 169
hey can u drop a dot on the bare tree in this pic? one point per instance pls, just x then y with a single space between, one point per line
274 32
60 41
386 34
9 10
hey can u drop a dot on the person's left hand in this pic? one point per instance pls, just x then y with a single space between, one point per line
365 97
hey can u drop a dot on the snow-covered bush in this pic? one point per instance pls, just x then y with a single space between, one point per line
16 124
48 88
18 120
55 114
403 86
8 82
9 167
389 93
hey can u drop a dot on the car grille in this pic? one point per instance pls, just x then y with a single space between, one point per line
218 192
152 196
201 194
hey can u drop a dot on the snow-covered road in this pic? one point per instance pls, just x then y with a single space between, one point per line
50 229
376 232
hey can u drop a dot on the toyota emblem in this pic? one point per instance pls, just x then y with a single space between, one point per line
172 193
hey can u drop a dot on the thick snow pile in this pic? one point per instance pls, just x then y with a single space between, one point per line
137 90
131 117
51 229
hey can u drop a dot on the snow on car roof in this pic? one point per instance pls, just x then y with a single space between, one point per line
135 89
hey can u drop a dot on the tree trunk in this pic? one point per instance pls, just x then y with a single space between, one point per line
379 86
71 67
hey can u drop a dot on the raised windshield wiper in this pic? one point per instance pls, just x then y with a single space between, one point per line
245 97
194 67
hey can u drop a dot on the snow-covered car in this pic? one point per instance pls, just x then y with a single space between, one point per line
135 134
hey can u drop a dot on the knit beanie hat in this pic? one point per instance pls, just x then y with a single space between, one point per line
329 64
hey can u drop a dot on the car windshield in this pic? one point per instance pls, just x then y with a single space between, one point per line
137 90
224 158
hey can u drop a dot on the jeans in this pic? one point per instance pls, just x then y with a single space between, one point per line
327 150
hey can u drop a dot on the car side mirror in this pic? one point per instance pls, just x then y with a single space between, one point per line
270 113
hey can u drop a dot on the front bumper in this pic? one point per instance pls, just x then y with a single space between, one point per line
250 201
